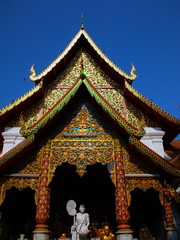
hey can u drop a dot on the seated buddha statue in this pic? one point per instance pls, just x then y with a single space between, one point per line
108 235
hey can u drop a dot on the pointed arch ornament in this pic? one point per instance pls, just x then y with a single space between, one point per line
19 183
81 153
83 142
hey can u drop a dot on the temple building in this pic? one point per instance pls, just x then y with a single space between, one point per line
84 133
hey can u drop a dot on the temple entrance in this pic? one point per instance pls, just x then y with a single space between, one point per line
18 214
147 213
95 189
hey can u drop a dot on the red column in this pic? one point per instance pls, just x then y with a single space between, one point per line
43 203
122 212
168 209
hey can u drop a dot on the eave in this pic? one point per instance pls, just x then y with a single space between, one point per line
169 124
21 103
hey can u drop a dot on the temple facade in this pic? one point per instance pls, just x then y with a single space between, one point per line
84 133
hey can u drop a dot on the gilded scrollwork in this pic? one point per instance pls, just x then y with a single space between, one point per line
83 141
82 153
84 123
20 183
67 78
95 74
132 114
135 117
144 184
59 87
52 96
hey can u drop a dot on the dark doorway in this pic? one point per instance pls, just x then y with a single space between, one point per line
18 214
146 211
95 189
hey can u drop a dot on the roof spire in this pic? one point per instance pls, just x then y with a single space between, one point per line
82 21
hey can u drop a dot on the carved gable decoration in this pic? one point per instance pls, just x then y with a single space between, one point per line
84 141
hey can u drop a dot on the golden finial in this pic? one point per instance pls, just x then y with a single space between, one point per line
82 21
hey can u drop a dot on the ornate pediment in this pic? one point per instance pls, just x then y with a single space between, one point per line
84 141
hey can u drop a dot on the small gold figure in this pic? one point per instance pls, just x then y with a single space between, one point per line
108 235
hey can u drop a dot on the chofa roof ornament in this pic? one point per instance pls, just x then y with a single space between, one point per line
32 73
132 75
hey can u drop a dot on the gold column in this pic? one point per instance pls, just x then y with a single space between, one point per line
43 202
122 212
168 209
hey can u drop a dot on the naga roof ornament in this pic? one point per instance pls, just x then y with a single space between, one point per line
32 71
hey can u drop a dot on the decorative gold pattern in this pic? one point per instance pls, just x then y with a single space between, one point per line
52 96
86 123
112 112
95 75
26 165
130 113
81 153
20 184
43 203
82 142
168 210
69 76
30 116
122 213
144 184
152 105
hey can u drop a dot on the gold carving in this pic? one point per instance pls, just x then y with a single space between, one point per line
83 141
81 153
144 184
20 184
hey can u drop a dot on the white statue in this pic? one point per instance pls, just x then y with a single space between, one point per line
81 222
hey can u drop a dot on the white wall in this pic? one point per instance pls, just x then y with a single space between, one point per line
153 140
12 137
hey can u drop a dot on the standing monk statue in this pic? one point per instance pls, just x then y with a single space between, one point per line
79 229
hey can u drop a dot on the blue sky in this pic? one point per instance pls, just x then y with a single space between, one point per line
143 32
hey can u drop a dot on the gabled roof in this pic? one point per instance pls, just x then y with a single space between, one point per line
170 124
81 36
131 134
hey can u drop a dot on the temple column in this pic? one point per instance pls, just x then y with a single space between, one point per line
170 227
41 231
124 231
